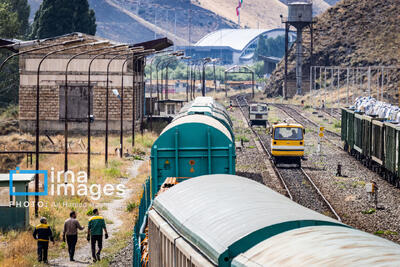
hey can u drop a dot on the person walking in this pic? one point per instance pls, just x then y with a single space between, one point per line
70 233
43 234
95 233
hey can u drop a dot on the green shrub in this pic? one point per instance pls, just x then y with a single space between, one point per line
131 206
113 170
386 232
242 137
370 211
89 212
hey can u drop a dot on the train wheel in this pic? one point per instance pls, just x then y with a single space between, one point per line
346 147
299 162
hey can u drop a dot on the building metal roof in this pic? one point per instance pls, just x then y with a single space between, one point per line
5 177
322 246
225 215
237 39
14 44
157 44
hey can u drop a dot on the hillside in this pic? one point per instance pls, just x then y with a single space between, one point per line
258 13
126 21
262 13
136 21
352 33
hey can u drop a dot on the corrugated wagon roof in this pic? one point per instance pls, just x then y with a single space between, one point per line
322 246
223 215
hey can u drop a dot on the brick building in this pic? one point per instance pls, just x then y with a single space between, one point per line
52 85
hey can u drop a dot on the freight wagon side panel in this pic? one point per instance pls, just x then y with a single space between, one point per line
390 148
344 125
358 132
377 149
350 129
398 157
367 136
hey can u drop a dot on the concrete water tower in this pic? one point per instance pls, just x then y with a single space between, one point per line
300 17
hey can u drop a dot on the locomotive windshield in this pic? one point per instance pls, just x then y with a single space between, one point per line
288 133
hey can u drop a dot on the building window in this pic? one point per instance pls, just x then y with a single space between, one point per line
5 199
77 103
171 109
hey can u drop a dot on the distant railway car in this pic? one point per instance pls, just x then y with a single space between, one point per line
226 220
193 144
374 142
258 114
287 143
207 106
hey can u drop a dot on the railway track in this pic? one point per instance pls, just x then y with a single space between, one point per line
331 112
298 184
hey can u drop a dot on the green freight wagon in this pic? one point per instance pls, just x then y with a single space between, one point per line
374 142
191 146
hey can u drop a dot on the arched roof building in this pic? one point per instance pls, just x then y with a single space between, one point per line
233 46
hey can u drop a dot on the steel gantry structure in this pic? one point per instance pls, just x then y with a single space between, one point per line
88 47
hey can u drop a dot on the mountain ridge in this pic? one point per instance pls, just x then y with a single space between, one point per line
345 36
137 21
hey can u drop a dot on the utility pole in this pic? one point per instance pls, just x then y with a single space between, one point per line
155 22
215 80
138 7
175 32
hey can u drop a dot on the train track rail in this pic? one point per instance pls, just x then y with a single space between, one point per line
331 112
298 184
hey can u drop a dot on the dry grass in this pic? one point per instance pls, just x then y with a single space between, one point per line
19 248
252 13
257 13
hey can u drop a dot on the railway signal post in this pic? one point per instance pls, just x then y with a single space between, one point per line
320 135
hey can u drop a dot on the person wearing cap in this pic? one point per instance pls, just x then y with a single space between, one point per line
70 233
43 234
95 233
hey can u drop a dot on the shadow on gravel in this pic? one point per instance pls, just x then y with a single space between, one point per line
313 169
252 176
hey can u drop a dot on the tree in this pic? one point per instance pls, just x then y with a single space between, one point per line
22 10
58 17
270 47
9 24
9 77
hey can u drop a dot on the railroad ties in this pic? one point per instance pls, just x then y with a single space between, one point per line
298 184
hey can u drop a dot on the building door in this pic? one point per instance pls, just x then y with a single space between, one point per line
77 103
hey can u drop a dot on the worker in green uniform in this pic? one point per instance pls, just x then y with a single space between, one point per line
95 233
43 234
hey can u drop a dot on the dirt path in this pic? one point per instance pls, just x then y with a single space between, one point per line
115 209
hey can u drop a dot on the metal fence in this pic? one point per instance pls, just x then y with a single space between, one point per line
332 86
139 234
